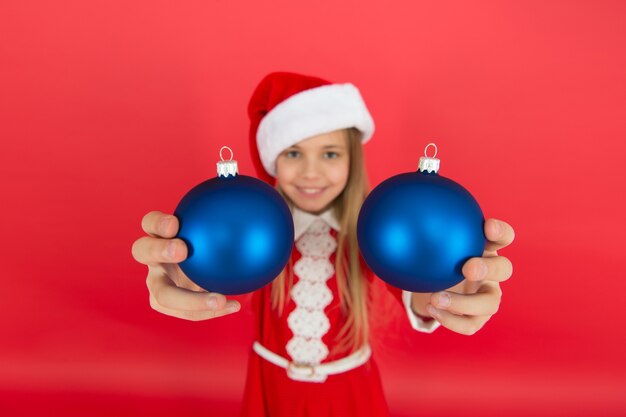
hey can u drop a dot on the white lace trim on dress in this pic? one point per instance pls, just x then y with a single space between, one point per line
307 321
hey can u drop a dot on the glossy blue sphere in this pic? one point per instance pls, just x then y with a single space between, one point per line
239 233
416 230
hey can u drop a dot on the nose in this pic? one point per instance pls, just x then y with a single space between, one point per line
310 168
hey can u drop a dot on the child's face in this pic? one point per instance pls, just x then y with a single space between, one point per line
313 172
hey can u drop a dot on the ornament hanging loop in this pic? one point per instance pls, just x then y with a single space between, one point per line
427 163
231 153
426 150
227 168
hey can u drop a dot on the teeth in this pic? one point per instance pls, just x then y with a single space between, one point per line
311 190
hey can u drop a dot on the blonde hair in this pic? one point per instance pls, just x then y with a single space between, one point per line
351 281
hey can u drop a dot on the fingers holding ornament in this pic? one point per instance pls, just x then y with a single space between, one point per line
167 298
499 235
150 250
466 325
494 268
484 302
193 315
158 224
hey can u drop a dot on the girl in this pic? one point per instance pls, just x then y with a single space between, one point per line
311 355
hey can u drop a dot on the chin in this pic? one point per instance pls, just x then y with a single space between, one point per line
312 208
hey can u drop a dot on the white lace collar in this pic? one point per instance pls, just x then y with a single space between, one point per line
303 219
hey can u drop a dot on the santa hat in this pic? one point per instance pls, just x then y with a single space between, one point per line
286 108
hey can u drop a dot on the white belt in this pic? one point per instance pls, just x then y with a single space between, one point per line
314 373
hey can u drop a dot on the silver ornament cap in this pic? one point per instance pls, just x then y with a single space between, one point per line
227 168
427 163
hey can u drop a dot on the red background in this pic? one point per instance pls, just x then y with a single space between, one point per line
111 109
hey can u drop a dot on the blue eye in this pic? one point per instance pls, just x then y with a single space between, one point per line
295 154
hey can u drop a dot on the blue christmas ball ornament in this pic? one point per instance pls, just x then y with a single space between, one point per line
416 230
238 230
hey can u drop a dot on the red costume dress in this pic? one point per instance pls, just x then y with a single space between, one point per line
305 334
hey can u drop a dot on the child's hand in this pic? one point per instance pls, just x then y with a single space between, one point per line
466 307
171 291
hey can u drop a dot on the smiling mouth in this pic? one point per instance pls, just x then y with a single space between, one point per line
311 191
